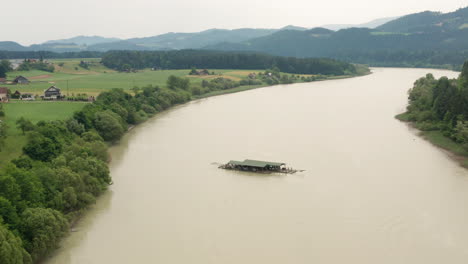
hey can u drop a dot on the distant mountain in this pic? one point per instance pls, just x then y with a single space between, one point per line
372 24
423 39
426 22
11 46
168 41
199 39
119 45
291 27
84 40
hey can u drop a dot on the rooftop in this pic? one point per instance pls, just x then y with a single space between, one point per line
256 163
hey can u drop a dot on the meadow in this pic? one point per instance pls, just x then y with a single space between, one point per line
73 79
34 111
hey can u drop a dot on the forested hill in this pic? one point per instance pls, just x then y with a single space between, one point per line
425 39
426 22
186 59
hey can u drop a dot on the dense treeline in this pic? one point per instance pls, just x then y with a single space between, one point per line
186 59
441 105
363 45
48 54
448 59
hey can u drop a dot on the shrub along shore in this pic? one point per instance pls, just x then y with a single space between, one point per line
439 108
63 168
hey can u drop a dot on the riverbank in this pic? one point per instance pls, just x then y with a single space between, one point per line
453 149
251 87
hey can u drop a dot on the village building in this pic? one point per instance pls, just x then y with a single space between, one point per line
52 93
16 95
4 94
21 80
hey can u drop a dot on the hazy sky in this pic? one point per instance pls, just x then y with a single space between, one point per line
35 21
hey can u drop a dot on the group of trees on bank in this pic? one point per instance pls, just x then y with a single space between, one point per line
441 105
5 66
186 59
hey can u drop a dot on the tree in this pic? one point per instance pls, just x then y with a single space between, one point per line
108 125
41 229
41 148
24 125
136 90
11 249
2 112
5 66
3 133
174 82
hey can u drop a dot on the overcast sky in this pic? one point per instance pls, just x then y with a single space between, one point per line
35 21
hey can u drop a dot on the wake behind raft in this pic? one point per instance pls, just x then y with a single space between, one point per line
258 166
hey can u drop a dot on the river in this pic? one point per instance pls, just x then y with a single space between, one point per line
372 190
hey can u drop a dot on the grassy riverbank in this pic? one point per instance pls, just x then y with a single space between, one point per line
438 109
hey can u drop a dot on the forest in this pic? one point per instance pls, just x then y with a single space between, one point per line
186 59
441 105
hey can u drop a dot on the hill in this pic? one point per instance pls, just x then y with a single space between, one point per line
11 46
428 22
84 40
426 39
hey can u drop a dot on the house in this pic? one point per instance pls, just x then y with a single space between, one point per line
3 94
21 80
16 95
52 93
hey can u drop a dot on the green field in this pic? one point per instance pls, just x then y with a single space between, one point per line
34 111
73 79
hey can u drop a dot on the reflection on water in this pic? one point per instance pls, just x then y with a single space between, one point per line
372 192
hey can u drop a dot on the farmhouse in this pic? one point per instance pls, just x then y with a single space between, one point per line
16 95
3 94
52 93
20 80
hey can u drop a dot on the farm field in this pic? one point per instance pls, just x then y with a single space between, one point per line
34 111
73 79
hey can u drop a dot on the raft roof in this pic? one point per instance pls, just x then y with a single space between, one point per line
256 163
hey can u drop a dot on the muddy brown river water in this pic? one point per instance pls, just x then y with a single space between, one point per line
373 191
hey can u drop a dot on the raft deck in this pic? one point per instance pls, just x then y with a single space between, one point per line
258 166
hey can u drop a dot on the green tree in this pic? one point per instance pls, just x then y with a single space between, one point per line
42 229
109 126
5 66
24 124
41 148
11 248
